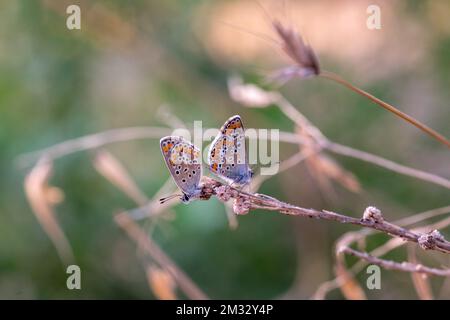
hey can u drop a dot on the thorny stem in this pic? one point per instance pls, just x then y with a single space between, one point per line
336 78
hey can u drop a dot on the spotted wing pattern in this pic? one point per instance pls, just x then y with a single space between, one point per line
227 155
183 161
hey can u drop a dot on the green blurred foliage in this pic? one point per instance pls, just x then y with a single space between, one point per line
128 59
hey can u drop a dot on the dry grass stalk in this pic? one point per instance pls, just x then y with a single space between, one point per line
352 237
161 283
154 251
306 64
350 288
165 115
399 266
113 170
37 192
101 139
94 141
311 137
432 133
421 281
285 165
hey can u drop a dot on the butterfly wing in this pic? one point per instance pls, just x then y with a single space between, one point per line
227 156
183 161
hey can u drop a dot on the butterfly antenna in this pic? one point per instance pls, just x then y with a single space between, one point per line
165 199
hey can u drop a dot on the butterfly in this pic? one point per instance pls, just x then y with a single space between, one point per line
183 161
227 155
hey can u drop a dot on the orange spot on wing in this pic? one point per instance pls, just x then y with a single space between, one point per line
235 125
167 147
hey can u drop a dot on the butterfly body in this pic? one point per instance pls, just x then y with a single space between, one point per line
227 155
183 161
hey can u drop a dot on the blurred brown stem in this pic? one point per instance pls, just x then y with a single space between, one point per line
392 265
152 249
100 139
336 78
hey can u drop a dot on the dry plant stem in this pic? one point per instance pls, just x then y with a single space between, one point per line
387 164
35 184
260 201
100 139
300 120
336 78
420 281
152 249
96 140
297 158
423 216
392 265
390 245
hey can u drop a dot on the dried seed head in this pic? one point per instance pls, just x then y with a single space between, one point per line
241 206
427 241
162 283
306 62
223 193
249 95
373 214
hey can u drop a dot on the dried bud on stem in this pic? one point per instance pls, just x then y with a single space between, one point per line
373 214
428 241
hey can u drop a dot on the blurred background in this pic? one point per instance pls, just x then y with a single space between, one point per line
130 58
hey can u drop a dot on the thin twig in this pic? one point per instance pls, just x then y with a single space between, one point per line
244 202
94 141
250 94
420 281
35 185
387 164
152 249
100 139
351 237
392 265
336 78
306 65
300 120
